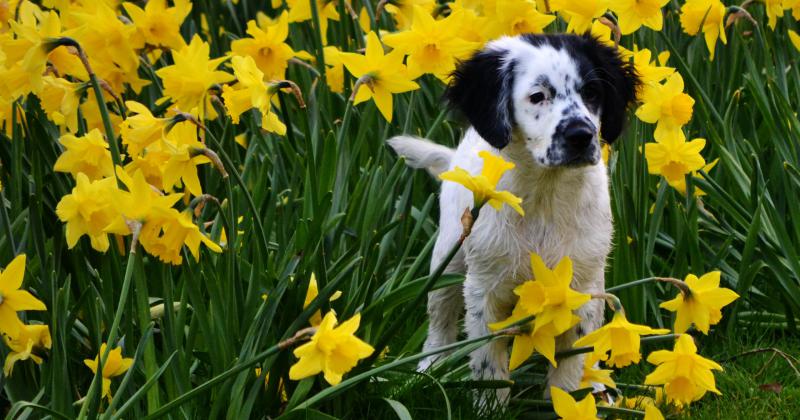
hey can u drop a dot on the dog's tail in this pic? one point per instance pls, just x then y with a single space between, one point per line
421 153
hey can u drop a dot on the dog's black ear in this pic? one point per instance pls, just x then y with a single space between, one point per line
481 89
619 84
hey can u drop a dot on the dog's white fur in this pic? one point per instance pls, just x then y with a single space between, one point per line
567 213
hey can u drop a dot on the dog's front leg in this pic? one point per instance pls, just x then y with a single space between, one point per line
490 361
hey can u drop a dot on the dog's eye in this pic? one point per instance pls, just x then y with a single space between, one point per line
590 94
537 97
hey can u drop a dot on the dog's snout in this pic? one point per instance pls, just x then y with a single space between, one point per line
578 134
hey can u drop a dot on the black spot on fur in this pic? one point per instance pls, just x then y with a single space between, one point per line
481 90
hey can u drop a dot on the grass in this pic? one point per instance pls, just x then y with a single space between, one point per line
330 199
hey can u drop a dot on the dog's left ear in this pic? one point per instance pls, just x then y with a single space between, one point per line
481 90
620 82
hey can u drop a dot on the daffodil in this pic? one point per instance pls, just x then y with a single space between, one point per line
686 375
141 128
26 56
580 14
89 210
621 338
632 14
29 340
774 10
267 46
648 70
432 46
595 375
551 300
249 92
188 80
667 106
332 350
158 25
185 155
167 231
794 6
60 99
311 294
13 300
109 40
92 116
652 412
470 22
300 11
707 16
674 158
114 365
381 75
794 38
568 409
87 154
142 200
702 304
334 69
515 17
483 185
403 11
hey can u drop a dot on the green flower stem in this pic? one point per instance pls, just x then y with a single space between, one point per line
325 393
631 284
114 331
423 294
143 309
301 335
6 222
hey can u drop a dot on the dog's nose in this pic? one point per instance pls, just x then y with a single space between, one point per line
578 134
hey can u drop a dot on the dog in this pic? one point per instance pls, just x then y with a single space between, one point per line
545 103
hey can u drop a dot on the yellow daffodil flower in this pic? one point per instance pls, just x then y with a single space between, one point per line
142 200
382 75
60 99
620 337
514 17
702 305
89 210
403 11
114 365
483 185
568 409
580 14
88 155
141 128
334 69
551 300
109 40
667 106
267 46
168 230
632 14
13 300
774 10
707 16
24 345
158 25
187 81
795 39
686 375
249 92
652 412
332 350
595 376
432 46
311 294
650 73
469 21
93 118
300 11
794 5
674 158
183 147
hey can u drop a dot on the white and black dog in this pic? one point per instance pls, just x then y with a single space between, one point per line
543 102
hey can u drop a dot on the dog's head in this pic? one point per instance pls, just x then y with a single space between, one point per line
559 94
